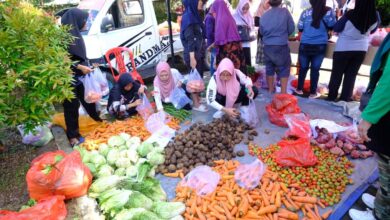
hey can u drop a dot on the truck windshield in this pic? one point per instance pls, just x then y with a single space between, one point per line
92 7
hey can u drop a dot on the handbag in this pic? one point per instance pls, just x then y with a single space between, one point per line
366 96
245 33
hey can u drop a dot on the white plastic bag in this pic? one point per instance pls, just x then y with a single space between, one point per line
101 78
145 109
156 121
195 82
248 176
249 114
331 126
202 179
179 98
162 136
92 90
41 135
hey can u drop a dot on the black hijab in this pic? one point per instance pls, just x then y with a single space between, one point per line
118 90
319 11
363 16
76 19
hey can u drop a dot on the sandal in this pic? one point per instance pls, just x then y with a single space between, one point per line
78 141
201 108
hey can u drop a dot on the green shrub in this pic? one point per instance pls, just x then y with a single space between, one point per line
34 65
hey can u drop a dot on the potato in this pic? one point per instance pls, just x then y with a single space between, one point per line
172 168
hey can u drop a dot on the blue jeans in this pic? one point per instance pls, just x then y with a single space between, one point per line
312 55
213 54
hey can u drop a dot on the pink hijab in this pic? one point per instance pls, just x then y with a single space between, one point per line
240 16
263 7
167 86
230 88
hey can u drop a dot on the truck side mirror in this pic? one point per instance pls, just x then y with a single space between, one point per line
107 24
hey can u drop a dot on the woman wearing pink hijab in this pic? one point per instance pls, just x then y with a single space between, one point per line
244 19
165 81
228 88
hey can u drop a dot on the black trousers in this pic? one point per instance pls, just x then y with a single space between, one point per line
71 111
247 54
347 64
242 97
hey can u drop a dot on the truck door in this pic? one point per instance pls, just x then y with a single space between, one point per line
133 28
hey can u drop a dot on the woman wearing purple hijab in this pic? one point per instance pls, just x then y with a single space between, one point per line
227 40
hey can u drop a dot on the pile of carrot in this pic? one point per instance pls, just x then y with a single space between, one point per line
271 200
177 174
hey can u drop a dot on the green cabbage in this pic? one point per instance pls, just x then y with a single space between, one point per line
107 194
143 170
98 160
131 171
144 149
128 214
156 193
91 168
139 200
152 172
155 158
116 141
105 170
120 172
105 183
103 149
125 136
112 156
146 215
167 210
133 142
122 162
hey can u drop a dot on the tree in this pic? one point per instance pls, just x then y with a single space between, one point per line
34 65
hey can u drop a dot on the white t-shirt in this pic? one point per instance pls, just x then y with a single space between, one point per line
177 77
212 89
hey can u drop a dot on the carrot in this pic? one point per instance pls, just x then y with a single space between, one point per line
252 214
270 186
273 193
231 199
289 215
321 204
284 187
218 216
288 205
243 208
227 212
278 201
265 198
276 216
326 214
218 208
227 177
267 209
219 162
200 214
292 203
316 211
234 210
181 175
310 212
305 199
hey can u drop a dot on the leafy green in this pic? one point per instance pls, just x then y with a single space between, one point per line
123 162
146 215
128 214
167 210
143 170
116 141
131 171
107 194
98 160
125 136
145 186
139 200
105 183
91 168
120 172
104 149
112 156
116 202
156 193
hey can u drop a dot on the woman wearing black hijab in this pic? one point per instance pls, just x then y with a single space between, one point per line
76 19
354 29
125 97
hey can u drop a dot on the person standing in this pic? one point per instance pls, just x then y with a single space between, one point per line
227 40
351 47
263 7
275 27
191 35
76 19
209 24
374 129
314 25
245 22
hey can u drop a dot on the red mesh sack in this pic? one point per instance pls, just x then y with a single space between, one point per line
49 208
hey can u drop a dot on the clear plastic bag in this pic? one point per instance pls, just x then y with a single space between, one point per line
179 98
41 135
202 179
299 125
249 114
92 90
156 121
195 82
145 109
248 176
101 78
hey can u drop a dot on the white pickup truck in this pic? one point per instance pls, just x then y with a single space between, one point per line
126 23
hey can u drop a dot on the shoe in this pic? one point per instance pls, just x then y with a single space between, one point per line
203 100
368 200
361 215
314 96
218 114
298 92
201 108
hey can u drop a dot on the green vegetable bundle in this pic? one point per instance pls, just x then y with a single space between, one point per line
124 183
180 114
